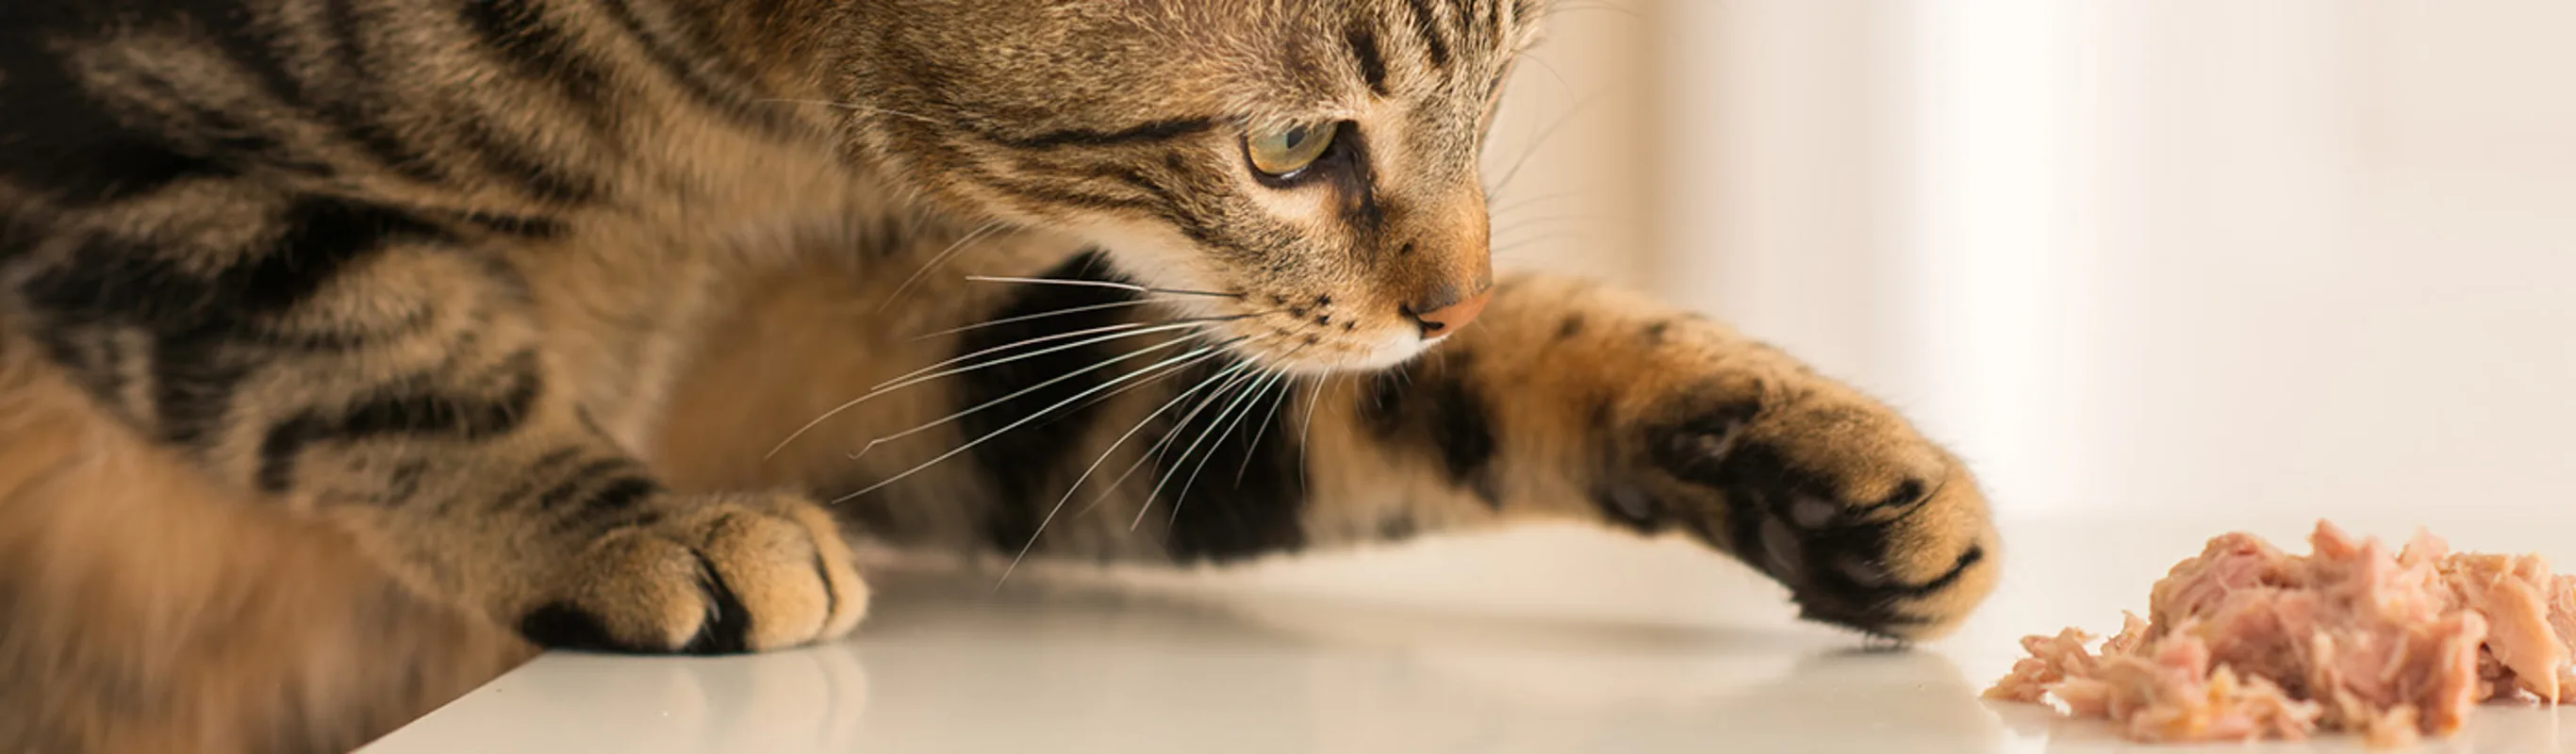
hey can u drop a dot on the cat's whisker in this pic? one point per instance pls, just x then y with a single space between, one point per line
1551 69
1287 390
1076 487
979 233
1307 431
1043 315
1517 204
934 371
1532 222
1250 399
1290 383
1555 10
1131 329
1111 395
1124 328
1213 422
1103 364
1086 336
1541 139
1099 284
943 369
1519 243
1202 352
1170 437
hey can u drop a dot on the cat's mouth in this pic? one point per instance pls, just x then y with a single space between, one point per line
1326 324
1312 336
1310 333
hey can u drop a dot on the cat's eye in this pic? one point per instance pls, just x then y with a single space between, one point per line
1280 153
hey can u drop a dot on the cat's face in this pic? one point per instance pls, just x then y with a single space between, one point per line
1304 171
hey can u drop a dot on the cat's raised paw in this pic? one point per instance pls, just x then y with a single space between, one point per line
1835 496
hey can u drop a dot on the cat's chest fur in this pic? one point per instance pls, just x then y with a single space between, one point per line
633 286
640 295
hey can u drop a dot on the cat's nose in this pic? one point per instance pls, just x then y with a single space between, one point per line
1448 310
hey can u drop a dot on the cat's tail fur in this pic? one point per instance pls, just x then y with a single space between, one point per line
141 610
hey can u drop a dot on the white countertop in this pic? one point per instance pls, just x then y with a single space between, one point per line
945 669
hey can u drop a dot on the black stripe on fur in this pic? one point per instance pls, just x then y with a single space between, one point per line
543 177
200 324
1372 61
1430 406
696 72
425 414
538 50
57 139
1426 24
356 102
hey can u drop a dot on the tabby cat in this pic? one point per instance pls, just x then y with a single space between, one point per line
335 331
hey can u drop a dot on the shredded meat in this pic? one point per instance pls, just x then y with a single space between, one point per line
2245 642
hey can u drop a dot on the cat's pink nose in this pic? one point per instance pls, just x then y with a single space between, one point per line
1448 317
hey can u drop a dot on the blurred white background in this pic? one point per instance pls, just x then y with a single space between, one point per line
2201 258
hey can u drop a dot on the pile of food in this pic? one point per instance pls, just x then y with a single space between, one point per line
2245 641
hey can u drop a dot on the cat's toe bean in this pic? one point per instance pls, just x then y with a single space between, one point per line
1811 512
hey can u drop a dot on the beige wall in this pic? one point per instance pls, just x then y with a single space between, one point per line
1573 150
2305 257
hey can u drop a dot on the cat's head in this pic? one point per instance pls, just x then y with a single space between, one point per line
1313 161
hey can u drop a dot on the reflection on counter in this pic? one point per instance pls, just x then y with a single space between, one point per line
951 664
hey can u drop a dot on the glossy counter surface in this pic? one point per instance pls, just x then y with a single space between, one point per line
947 669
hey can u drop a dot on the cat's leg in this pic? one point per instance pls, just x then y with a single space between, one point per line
388 373
1566 401
144 608
1571 401
1065 421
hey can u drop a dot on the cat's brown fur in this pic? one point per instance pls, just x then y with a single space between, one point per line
362 326
149 611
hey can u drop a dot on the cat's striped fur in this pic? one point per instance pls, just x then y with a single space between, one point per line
412 318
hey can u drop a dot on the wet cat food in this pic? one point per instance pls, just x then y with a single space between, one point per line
2246 642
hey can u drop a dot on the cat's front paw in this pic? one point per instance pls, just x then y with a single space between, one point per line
737 573
1834 495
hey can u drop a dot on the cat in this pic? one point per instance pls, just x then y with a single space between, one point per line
395 338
